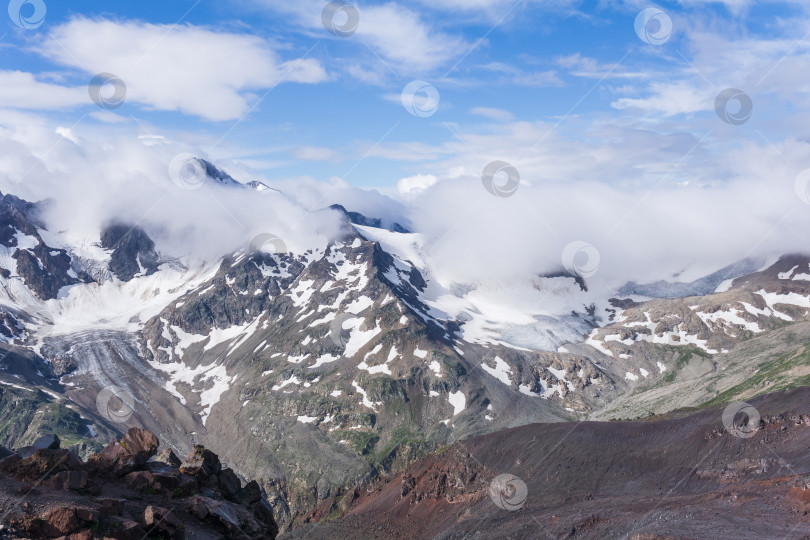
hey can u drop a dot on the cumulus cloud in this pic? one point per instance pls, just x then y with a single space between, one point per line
654 205
397 34
314 194
414 185
21 90
186 68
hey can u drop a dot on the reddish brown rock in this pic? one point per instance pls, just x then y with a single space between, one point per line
168 457
86 534
201 461
63 520
59 521
75 480
111 507
125 529
129 454
234 518
139 480
141 444
161 520
43 462
137 511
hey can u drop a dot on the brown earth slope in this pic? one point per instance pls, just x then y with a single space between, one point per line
684 476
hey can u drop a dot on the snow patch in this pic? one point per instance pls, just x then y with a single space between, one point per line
501 371
458 400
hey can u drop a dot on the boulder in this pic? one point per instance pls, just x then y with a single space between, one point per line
236 520
168 457
228 483
5 452
51 442
124 529
64 520
42 462
161 520
249 494
263 513
59 521
76 480
201 461
129 454
110 506
141 444
166 481
139 480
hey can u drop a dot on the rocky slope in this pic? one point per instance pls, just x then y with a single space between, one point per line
335 360
127 491
748 338
698 476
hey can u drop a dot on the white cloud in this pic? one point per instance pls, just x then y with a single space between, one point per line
313 153
97 174
582 66
735 6
493 113
514 75
414 185
185 68
67 133
652 203
402 37
398 35
20 90
671 99
108 117
499 10
763 67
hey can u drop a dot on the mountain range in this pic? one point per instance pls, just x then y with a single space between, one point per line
319 372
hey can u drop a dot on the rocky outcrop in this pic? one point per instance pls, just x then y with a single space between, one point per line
43 269
123 492
133 252
129 454
359 219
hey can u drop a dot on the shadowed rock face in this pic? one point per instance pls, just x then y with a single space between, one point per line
359 219
122 493
686 476
133 252
43 269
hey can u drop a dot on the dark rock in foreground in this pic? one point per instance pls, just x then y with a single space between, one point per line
123 493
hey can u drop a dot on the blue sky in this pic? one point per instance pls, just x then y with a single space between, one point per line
623 124
324 106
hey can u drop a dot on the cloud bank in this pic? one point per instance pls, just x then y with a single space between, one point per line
92 178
